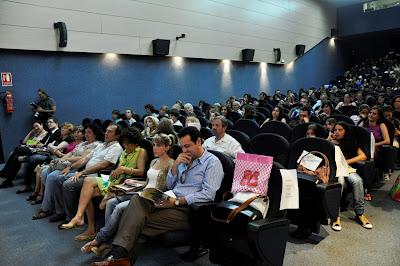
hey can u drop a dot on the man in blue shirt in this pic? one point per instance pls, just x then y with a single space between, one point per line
195 176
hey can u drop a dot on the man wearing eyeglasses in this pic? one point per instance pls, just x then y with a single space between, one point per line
195 176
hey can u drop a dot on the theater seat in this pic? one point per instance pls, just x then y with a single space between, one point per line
270 144
259 242
317 201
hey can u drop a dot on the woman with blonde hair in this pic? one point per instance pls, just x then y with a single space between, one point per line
156 177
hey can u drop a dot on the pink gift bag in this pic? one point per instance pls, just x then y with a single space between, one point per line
252 173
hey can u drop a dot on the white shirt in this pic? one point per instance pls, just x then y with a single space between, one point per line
178 123
106 151
152 175
227 145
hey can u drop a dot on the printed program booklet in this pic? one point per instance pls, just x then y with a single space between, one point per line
155 195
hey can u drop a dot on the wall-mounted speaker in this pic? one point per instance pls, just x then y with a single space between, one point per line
334 32
62 28
300 49
160 47
277 54
247 55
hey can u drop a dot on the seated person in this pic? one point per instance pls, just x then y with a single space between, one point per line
326 112
276 115
55 149
131 163
192 121
37 196
347 101
13 163
363 111
388 114
93 135
150 126
195 176
174 116
353 153
311 131
330 123
115 207
165 126
35 137
221 141
375 125
304 117
65 186
129 117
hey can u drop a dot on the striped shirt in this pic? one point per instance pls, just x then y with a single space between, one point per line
198 183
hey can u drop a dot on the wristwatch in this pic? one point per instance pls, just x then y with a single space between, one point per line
177 202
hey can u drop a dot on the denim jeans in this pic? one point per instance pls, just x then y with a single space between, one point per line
114 209
356 183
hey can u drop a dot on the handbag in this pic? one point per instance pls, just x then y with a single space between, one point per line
252 173
228 212
321 173
59 164
395 190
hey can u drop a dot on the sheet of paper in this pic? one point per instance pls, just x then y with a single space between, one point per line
290 189
310 161
105 177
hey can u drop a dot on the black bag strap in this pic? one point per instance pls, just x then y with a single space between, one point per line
235 211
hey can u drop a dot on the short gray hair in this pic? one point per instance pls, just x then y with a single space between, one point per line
223 120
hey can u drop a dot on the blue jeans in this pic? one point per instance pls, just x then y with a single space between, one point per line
356 183
114 210
52 198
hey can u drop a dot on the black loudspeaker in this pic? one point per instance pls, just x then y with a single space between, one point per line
333 32
160 47
277 54
62 28
300 49
247 55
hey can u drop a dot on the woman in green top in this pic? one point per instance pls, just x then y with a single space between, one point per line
131 163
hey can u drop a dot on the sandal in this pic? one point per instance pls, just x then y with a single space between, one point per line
87 248
32 196
38 200
41 214
367 197
84 237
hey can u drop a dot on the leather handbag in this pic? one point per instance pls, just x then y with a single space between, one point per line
321 173
229 212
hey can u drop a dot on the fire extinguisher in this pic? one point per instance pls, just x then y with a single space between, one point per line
9 102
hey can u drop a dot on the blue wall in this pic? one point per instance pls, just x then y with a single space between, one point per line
351 20
86 85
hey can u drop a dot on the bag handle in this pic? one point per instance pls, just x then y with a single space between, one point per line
326 160
316 152
235 211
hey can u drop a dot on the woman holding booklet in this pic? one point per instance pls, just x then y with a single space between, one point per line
131 163
156 176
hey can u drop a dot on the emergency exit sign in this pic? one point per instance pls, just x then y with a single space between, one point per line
6 79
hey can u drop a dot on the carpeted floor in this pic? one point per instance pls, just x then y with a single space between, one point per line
27 242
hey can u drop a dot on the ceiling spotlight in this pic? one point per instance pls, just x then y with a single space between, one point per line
183 35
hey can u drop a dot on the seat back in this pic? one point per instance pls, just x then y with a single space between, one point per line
198 113
248 126
148 146
229 167
177 128
138 125
278 128
270 144
203 121
264 110
234 116
313 144
206 133
275 192
363 137
300 130
260 118
343 118
391 129
347 109
241 137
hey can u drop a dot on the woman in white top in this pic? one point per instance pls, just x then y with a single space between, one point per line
276 115
156 178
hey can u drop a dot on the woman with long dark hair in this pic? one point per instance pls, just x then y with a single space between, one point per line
347 142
